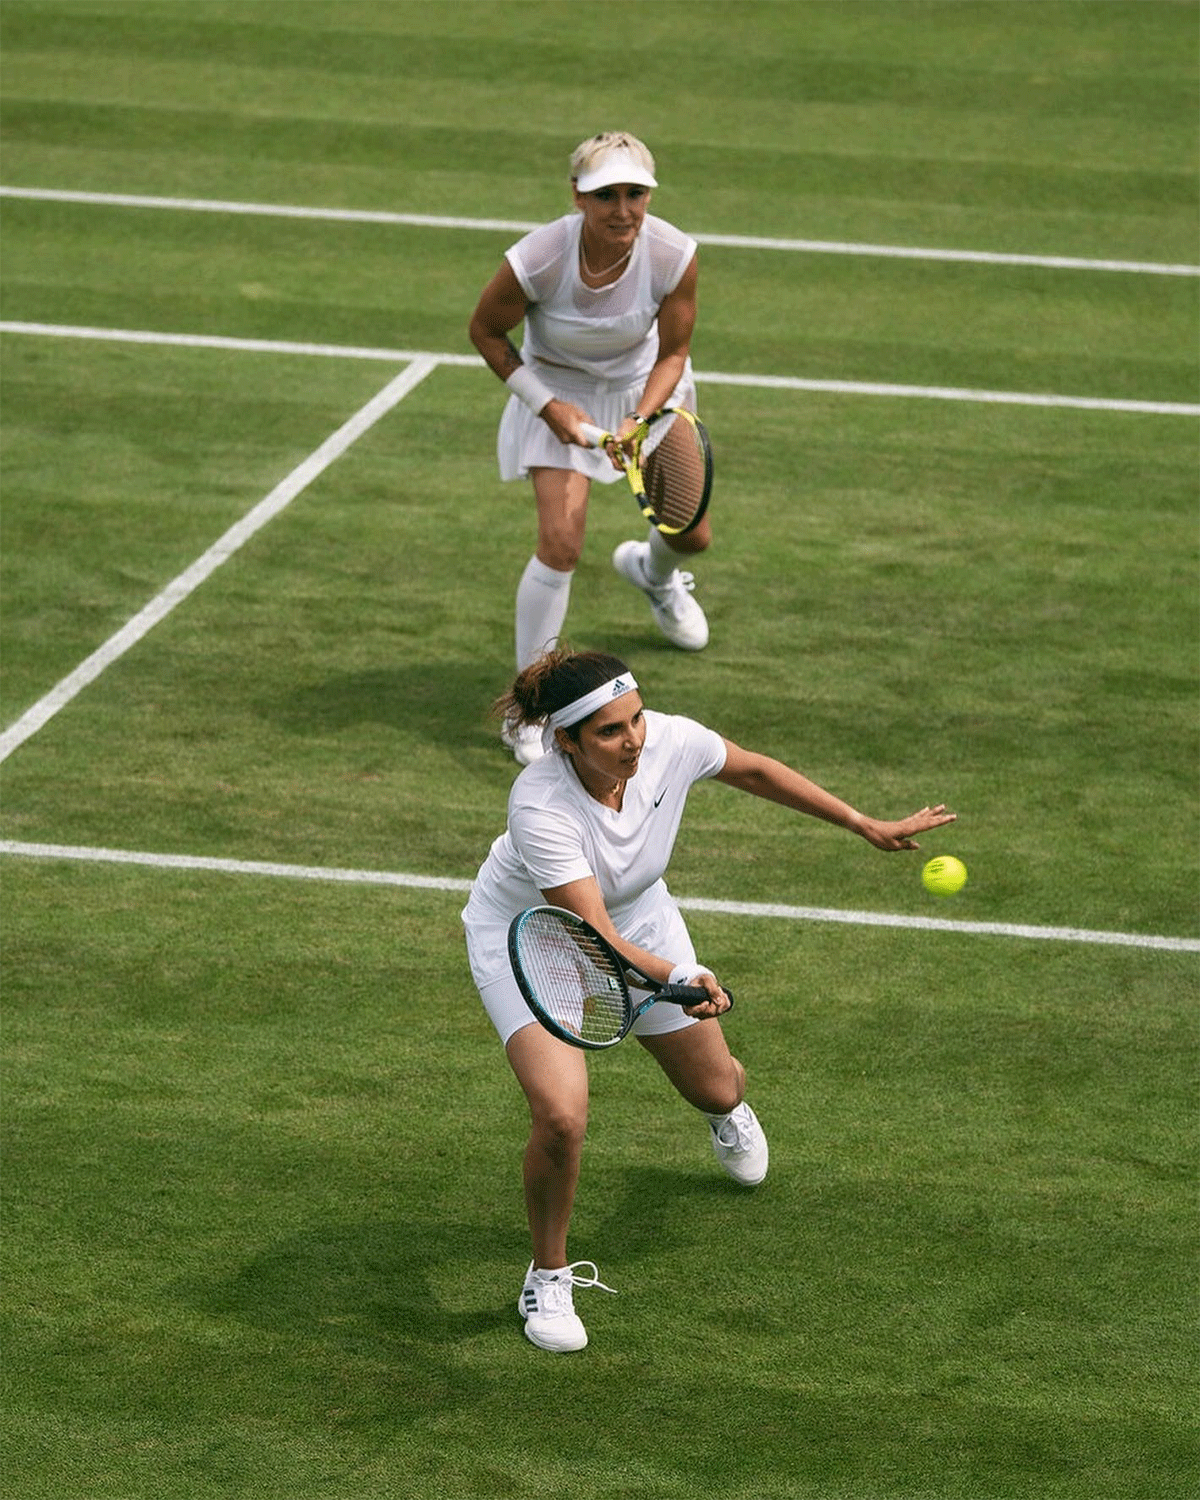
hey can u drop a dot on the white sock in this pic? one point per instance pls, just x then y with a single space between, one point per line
542 598
660 561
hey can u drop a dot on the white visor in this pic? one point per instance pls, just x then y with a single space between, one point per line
617 166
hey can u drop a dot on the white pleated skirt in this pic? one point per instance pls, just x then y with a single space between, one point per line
524 441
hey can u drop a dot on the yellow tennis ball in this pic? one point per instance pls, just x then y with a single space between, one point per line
944 875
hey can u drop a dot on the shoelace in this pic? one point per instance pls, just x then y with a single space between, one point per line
673 591
743 1137
556 1292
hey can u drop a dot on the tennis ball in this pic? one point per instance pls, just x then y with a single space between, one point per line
944 875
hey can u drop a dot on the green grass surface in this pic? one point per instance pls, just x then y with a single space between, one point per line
279 1216
263 1231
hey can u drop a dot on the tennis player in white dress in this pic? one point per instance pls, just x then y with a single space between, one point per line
591 827
607 297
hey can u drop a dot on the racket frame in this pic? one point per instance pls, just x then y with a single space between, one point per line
623 974
631 460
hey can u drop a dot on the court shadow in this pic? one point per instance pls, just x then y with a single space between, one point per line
655 1209
380 1311
380 1277
447 702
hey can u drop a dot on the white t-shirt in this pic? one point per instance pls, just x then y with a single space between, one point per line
610 332
557 833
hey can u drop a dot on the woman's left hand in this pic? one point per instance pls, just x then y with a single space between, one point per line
618 453
900 835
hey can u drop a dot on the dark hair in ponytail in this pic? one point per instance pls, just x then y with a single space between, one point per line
555 679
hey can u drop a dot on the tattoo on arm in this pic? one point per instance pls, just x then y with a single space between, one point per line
510 360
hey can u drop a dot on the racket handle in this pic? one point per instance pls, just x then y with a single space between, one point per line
594 435
689 994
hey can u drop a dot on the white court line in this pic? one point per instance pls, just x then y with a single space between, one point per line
245 346
722 908
521 226
703 377
221 551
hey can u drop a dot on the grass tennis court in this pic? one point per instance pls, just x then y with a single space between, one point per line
263 1231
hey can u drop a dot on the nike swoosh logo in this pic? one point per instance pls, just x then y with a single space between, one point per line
660 796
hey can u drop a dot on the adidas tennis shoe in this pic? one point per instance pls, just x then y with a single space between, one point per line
676 613
524 740
548 1307
740 1145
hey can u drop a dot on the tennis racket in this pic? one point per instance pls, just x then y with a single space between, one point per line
668 463
576 984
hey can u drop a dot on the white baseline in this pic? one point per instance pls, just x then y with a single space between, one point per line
521 226
221 551
262 868
704 377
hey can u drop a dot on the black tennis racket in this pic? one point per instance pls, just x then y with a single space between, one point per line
668 463
575 982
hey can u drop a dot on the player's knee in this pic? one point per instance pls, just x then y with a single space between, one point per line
560 550
559 1129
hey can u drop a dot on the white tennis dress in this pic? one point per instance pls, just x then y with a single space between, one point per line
557 833
592 346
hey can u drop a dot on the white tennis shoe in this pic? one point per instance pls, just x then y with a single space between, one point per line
524 740
677 614
740 1145
548 1308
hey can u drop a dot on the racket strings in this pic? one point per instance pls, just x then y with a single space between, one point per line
574 980
675 473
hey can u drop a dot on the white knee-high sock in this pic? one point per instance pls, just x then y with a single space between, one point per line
661 561
542 598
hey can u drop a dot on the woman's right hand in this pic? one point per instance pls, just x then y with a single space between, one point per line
566 422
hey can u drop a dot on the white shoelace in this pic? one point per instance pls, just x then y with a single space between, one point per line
556 1290
673 591
743 1135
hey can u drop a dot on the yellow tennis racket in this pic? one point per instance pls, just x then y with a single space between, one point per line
668 463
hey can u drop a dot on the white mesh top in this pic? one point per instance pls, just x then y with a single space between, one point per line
611 331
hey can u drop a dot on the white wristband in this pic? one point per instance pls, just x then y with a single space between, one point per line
686 973
525 385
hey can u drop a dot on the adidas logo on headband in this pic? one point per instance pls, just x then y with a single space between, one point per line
572 713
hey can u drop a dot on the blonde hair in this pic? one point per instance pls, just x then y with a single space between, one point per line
597 147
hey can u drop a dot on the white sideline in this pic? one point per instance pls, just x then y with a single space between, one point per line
223 549
703 377
521 226
724 908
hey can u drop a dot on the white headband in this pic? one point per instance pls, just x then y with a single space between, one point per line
615 687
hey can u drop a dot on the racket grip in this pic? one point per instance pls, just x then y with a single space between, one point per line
594 435
689 994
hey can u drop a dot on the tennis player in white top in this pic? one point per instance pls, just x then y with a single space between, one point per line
591 827
607 295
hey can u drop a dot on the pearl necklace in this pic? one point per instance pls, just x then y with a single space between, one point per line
583 260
